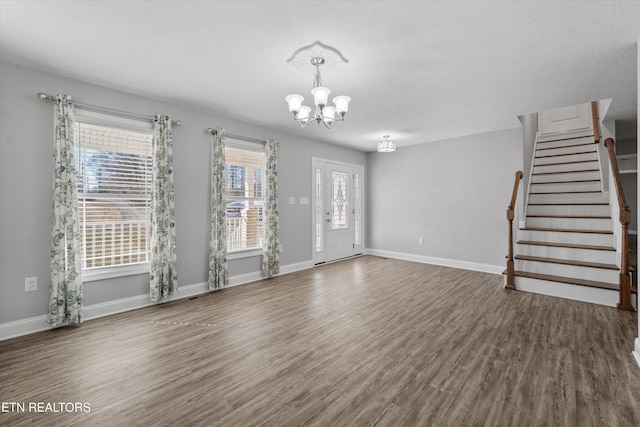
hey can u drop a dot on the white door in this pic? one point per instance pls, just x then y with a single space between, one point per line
566 119
338 215
338 202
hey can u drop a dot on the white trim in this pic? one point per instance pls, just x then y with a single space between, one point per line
465 265
337 162
320 257
39 323
244 253
100 273
90 116
636 352
241 144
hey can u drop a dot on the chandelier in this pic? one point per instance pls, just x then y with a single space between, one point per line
325 114
386 146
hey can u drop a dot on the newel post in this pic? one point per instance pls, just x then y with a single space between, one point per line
511 272
625 277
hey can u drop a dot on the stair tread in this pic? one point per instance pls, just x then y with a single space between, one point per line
566 245
570 204
562 146
567 230
568 280
574 171
564 163
568 262
566 182
569 138
570 216
565 192
575 153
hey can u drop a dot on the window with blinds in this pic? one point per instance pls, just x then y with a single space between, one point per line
245 167
114 194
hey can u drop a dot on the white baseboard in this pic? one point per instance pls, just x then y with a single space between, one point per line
636 352
465 265
39 323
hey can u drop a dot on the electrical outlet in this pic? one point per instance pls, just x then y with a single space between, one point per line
421 240
30 284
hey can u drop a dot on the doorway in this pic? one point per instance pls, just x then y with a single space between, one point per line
338 210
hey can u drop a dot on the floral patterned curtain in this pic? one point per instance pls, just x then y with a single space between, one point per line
162 225
218 271
65 288
271 245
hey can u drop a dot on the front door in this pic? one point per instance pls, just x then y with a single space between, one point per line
339 217
337 211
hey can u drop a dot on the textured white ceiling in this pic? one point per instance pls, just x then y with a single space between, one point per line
418 70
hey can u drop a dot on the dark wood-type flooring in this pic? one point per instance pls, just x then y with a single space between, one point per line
367 341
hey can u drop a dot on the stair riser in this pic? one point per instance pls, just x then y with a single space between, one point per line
587 255
568 198
560 177
566 187
573 292
566 167
565 159
593 239
571 223
565 150
581 210
577 272
543 143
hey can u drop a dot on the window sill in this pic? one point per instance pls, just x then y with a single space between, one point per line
244 254
101 273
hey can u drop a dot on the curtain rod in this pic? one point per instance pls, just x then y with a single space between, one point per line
43 96
240 137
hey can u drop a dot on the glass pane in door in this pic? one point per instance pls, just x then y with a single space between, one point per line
340 200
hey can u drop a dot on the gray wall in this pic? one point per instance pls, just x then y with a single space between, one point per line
26 135
454 193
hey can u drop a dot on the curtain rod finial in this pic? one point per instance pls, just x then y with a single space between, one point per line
45 97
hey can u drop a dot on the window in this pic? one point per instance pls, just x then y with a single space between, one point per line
114 194
245 177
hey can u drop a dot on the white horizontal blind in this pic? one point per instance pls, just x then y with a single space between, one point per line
245 170
114 194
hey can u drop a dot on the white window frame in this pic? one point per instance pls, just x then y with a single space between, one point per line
231 142
89 116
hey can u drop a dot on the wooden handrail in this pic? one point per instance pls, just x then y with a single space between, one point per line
596 122
511 272
625 219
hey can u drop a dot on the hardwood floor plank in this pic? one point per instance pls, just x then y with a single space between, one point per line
367 341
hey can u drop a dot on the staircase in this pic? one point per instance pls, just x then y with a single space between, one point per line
567 246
